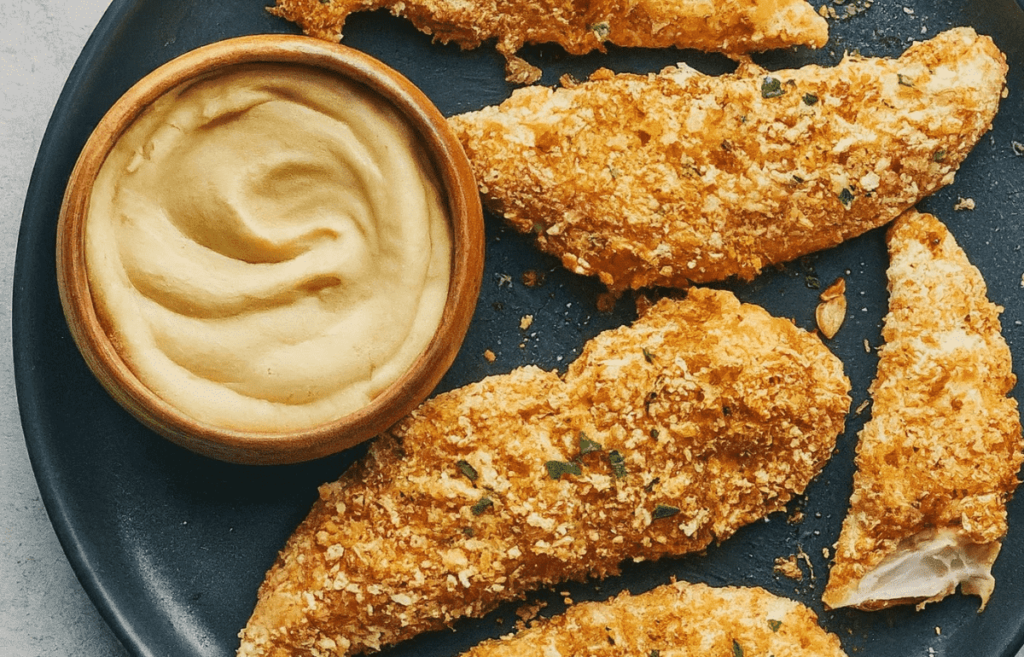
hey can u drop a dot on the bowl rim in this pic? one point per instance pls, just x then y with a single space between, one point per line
397 399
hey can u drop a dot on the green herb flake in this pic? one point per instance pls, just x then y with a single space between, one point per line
810 99
812 282
655 433
618 463
664 511
904 80
468 531
774 624
726 411
481 506
772 88
737 649
538 228
466 469
648 356
654 482
601 30
846 197
588 446
558 468
655 653
940 155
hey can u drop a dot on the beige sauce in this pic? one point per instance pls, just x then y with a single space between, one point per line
267 248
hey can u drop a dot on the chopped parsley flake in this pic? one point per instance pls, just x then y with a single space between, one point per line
481 506
466 469
588 446
940 155
558 468
655 433
772 88
601 30
664 511
774 624
655 653
904 80
737 649
648 356
846 197
618 463
810 99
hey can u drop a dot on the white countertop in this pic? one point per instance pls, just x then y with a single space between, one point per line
43 609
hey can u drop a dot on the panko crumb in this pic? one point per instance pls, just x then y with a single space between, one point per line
964 204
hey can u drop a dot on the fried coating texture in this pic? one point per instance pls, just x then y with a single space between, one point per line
939 458
703 416
679 177
581 26
679 619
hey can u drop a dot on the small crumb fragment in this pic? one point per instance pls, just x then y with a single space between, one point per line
1018 148
867 345
863 405
796 518
831 312
788 567
825 552
938 630
606 302
533 278
528 612
489 356
525 322
964 204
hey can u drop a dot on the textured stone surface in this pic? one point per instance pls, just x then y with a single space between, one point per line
43 609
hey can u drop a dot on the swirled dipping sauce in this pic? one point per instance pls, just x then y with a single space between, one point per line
267 247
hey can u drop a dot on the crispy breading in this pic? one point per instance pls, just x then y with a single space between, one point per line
938 460
680 177
582 26
678 619
703 416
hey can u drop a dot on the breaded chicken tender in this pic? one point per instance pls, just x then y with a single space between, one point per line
582 26
938 460
679 619
663 437
680 177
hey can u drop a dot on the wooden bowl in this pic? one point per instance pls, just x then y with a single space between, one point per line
458 189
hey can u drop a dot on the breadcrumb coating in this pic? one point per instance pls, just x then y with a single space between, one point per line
728 26
678 177
939 458
703 416
677 620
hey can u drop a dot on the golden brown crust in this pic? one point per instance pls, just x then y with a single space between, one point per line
705 415
680 177
943 446
581 26
679 619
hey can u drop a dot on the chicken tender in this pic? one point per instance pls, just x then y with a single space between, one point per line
938 460
663 437
729 26
680 177
681 619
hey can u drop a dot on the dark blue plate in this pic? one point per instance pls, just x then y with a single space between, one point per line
172 546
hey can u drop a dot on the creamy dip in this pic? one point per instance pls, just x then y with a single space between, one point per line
267 247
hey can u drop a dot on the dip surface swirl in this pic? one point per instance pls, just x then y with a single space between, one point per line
267 247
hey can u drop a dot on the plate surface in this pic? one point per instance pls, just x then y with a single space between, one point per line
172 546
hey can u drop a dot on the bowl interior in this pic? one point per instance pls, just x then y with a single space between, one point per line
458 190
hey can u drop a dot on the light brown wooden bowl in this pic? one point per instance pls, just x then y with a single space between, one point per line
458 187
